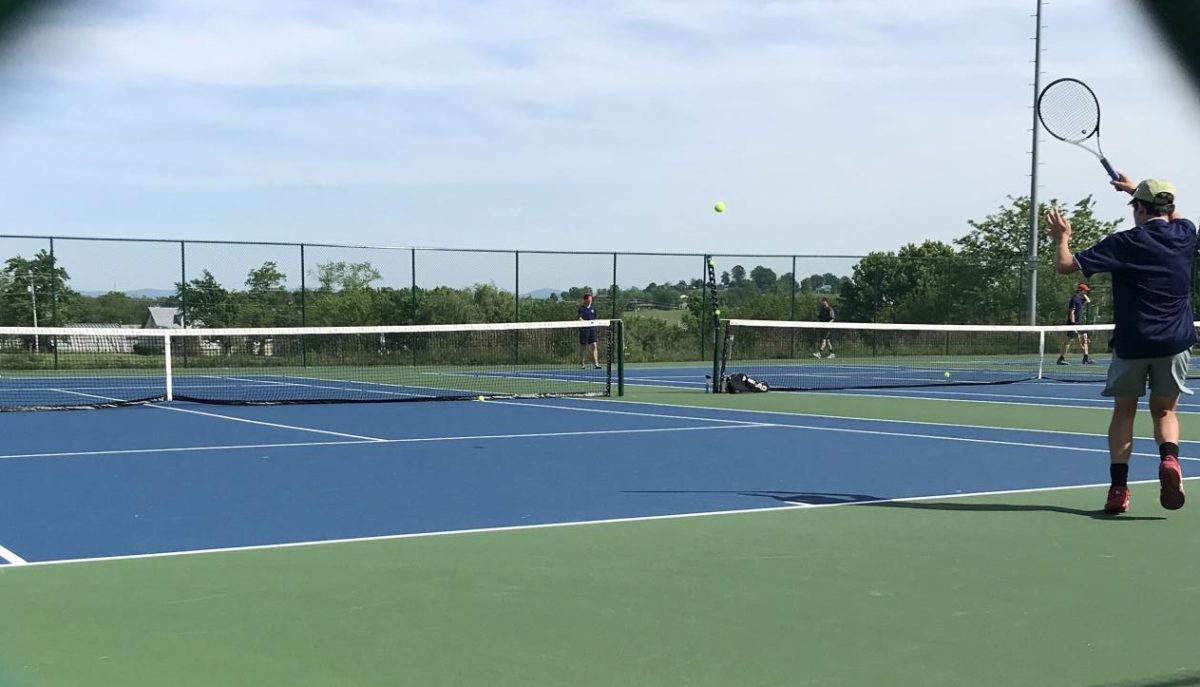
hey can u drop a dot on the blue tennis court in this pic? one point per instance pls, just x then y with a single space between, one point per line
181 477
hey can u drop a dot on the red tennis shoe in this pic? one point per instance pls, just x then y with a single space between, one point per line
1118 500
1170 480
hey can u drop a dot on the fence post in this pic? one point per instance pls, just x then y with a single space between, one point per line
413 313
53 300
517 286
703 302
183 291
613 291
792 308
303 310
303 291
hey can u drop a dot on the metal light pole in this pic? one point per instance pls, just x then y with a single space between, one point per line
1033 171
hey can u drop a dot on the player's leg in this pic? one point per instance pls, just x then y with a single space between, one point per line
595 355
1168 378
1066 348
1083 343
1120 446
1125 385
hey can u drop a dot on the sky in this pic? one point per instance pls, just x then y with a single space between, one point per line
826 126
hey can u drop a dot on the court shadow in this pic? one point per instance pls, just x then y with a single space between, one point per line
867 500
1189 680
1096 514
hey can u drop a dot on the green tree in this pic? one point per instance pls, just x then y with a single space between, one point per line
266 302
764 278
739 275
916 284
206 302
114 307
40 280
346 276
996 249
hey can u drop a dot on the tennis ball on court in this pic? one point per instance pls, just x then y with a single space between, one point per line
484 399
947 375
719 207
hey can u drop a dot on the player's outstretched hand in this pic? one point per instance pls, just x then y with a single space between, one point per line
1060 226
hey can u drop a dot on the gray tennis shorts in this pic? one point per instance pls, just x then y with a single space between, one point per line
1167 376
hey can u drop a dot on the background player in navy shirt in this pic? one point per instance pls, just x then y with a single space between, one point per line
587 335
1074 316
1151 267
825 314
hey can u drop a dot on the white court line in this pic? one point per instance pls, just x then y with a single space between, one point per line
11 558
858 418
874 432
180 449
527 404
408 440
314 386
578 523
949 392
230 417
916 397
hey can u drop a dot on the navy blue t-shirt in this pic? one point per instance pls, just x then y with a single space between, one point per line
587 312
1151 268
826 314
1075 305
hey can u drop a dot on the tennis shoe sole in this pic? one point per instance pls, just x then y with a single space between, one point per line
1170 480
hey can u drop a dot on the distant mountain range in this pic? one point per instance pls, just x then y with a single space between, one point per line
137 293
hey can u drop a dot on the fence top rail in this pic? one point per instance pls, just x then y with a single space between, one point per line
254 332
363 246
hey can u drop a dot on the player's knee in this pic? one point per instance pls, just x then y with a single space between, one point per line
1162 405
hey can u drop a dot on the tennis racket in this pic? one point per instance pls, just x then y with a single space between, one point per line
1070 111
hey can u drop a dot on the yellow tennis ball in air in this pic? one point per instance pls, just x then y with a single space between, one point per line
719 207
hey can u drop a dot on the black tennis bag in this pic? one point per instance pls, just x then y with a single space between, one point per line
738 383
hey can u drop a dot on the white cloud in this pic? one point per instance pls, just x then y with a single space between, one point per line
501 123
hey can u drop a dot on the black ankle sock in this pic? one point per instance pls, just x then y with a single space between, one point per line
1119 473
1168 449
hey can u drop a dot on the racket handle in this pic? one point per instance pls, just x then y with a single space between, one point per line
1109 168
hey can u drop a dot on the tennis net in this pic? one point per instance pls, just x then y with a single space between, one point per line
789 355
72 367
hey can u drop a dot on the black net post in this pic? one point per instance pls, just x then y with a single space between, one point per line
620 342
711 283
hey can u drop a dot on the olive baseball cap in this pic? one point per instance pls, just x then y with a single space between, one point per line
1159 192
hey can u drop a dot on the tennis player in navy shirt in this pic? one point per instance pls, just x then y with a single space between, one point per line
587 335
1151 267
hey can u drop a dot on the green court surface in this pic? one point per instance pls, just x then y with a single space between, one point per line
1023 588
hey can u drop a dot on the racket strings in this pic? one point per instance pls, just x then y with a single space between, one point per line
1069 111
